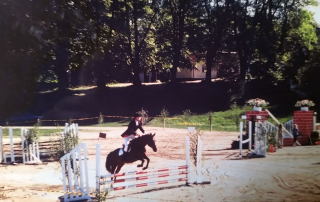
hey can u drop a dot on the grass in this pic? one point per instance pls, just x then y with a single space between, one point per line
42 132
221 121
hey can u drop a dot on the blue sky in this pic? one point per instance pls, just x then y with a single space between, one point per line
316 11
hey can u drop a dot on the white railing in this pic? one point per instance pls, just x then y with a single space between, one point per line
288 125
73 129
77 187
30 153
284 129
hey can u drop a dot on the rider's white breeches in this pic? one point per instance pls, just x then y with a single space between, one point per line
126 141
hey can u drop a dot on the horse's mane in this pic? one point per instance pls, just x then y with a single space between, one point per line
141 139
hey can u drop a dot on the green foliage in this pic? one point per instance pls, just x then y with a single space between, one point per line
220 120
163 115
186 115
32 135
144 115
104 41
235 114
100 119
66 142
271 140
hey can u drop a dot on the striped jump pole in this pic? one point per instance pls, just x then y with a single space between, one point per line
153 177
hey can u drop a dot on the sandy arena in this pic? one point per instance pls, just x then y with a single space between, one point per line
290 174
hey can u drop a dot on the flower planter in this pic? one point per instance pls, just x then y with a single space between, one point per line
304 108
257 109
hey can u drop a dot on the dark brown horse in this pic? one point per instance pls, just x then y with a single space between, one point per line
137 151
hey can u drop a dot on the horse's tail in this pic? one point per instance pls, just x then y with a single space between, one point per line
108 162
110 158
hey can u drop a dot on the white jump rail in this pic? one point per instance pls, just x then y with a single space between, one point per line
76 191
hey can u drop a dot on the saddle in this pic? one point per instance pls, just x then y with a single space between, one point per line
121 150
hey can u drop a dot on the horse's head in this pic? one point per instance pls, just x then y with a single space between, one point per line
151 142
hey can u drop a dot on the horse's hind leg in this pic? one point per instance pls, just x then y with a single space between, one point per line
119 168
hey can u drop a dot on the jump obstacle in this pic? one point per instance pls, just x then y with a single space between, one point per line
157 176
259 138
29 152
78 180
78 187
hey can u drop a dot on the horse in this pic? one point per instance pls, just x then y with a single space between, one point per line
137 151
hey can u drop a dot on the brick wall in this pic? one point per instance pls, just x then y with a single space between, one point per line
304 120
252 114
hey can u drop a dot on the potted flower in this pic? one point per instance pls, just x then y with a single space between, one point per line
304 104
257 104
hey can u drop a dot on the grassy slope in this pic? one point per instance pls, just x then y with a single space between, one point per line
125 101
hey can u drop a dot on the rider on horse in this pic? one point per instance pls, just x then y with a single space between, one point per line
130 133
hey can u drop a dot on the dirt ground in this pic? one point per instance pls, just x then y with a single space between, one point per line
290 174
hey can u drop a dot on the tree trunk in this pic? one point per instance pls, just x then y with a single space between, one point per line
62 65
136 63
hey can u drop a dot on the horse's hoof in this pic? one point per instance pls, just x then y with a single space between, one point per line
139 166
144 168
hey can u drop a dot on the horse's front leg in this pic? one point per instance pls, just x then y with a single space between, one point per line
142 161
148 160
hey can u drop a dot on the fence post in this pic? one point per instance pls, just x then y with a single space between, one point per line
23 145
314 121
199 150
98 170
250 135
11 145
240 143
188 158
1 145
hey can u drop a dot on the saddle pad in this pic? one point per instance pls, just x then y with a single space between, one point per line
120 152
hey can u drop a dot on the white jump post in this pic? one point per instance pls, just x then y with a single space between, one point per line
188 157
76 191
314 121
199 160
11 145
22 143
247 140
1 145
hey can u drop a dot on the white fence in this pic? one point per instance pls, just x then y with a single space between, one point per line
75 178
30 153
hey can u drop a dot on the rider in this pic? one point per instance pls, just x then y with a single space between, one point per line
130 133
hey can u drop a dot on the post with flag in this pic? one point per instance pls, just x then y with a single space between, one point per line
100 121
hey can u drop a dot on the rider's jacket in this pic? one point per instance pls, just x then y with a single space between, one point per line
132 128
